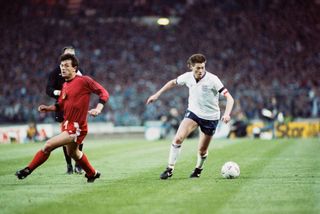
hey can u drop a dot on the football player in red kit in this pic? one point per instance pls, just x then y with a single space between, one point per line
53 89
74 101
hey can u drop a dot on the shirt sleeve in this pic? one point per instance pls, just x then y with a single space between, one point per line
182 79
218 85
96 88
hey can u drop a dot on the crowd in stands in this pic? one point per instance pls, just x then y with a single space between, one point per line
261 50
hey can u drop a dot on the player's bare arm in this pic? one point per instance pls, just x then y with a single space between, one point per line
170 84
96 111
226 116
45 108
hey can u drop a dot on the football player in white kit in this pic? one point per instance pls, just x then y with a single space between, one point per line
203 111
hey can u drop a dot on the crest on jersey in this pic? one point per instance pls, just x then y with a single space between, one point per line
207 89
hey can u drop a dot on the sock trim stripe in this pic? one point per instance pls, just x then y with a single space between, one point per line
176 145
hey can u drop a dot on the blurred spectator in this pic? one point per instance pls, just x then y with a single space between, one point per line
32 133
171 122
239 126
263 48
239 123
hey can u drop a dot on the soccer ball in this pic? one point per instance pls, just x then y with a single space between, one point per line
230 170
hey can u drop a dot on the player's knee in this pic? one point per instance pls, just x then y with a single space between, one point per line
47 148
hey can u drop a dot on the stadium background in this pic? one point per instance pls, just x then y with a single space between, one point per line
260 49
266 52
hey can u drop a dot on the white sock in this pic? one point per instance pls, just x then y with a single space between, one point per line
201 160
175 150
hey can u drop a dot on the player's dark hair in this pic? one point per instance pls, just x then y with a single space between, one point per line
196 58
67 47
73 58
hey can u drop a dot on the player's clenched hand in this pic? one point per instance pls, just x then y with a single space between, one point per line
225 118
152 98
44 108
94 112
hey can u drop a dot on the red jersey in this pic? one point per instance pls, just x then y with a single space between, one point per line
75 97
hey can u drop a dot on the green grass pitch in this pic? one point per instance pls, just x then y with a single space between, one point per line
277 176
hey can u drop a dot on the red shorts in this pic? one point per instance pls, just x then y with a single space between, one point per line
75 130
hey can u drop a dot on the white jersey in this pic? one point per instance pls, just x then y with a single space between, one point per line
203 95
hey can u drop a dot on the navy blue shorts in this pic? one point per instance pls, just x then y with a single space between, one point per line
206 126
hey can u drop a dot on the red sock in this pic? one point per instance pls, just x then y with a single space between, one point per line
38 159
86 166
